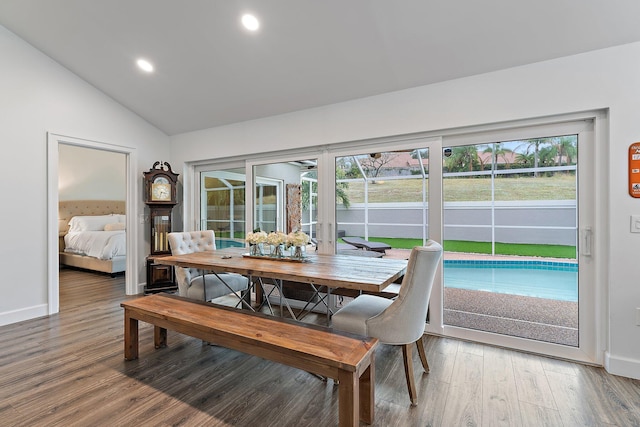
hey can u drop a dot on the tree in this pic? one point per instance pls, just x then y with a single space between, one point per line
499 151
373 163
536 143
566 149
341 189
525 159
463 159
547 157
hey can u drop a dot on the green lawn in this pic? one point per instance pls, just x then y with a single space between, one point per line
557 187
545 251
561 186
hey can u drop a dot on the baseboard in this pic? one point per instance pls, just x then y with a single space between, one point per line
28 313
622 366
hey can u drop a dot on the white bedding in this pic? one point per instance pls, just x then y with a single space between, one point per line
97 244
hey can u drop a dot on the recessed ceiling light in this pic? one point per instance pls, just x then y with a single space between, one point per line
250 22
145 65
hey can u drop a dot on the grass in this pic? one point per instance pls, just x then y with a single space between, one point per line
545 251
560 186
557 187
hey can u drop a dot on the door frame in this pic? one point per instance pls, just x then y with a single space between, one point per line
53 264
271 158
592 211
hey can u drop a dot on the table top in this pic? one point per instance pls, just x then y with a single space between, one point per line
334 271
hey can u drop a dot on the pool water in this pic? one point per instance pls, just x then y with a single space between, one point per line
228 243
541 279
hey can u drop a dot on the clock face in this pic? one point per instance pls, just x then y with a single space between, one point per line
161 190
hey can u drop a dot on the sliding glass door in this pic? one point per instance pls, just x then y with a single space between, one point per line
286 196
510 224
517 218
497 197
382 197
222 205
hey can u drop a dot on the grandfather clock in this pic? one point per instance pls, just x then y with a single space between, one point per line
160 195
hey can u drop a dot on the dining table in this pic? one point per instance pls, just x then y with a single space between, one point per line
319 271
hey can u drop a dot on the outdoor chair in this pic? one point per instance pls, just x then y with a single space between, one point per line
190 280
399 321
361 243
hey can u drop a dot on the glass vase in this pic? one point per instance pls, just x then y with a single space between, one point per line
297 252
256 249
277 251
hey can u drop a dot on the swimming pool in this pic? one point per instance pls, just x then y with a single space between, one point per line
541 279
229 243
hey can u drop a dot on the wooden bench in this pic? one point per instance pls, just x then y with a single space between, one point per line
344 357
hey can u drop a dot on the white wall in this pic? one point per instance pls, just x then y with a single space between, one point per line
90 174
602 79
40 96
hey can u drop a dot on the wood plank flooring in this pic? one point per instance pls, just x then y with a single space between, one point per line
69 370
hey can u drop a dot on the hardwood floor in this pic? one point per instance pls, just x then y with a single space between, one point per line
68 370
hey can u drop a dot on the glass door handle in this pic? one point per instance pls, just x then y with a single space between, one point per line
586 240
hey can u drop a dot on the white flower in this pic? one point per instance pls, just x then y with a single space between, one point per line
297 238
276 238
257 237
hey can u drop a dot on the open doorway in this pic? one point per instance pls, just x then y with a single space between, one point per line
91 213
80 147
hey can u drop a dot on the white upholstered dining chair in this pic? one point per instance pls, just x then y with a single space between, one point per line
190 280
400 321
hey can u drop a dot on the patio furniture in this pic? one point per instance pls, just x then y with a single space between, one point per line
359 252
361 243
345 247
400 321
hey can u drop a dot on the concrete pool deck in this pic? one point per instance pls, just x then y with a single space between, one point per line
539 319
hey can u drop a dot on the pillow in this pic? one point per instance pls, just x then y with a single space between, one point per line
115 226
120 217
89 223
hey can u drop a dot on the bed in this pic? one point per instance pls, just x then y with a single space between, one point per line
92 235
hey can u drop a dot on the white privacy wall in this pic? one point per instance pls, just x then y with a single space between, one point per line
605 79
40 96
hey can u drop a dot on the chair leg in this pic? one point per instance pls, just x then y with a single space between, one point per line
423 355
408 373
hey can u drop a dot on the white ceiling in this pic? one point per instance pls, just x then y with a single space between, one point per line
308 53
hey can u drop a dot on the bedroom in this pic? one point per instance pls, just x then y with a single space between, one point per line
92 193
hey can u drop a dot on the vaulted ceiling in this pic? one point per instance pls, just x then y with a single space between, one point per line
210 71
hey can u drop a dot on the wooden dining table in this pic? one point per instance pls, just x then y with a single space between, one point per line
318 270
333 271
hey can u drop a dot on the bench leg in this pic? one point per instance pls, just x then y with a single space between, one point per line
348 399
367 393
130 336
159 337
356 396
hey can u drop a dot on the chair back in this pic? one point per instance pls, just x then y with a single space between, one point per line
403 321
188 242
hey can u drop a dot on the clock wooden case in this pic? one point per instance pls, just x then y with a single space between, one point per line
160 195
160 185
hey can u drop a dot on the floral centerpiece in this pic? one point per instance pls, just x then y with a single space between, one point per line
277 239
297 240
256 240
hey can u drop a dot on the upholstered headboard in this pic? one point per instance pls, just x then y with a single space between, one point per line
70 208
